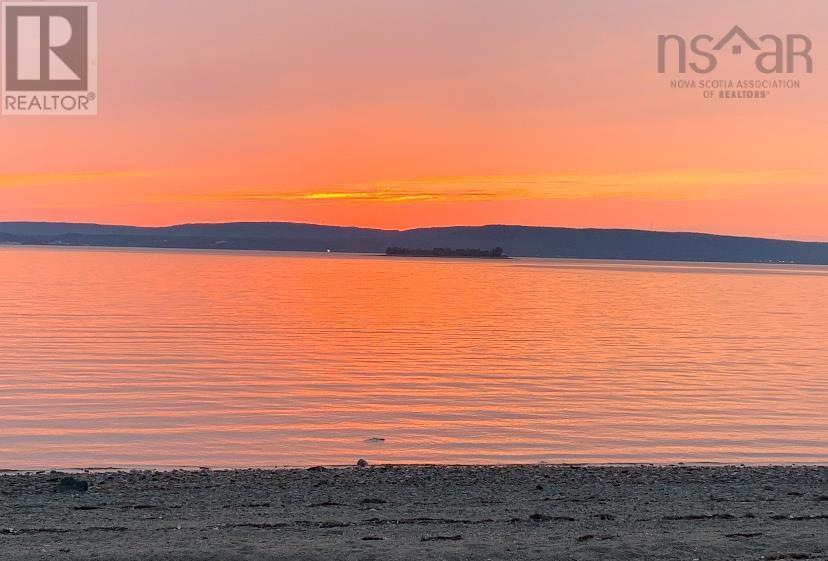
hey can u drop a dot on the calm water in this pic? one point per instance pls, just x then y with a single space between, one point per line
161 358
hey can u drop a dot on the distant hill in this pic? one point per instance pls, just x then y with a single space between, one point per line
517 241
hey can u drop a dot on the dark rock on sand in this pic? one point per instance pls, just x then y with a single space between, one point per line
744 535
716 516
373 502
538 517
72 485
442 538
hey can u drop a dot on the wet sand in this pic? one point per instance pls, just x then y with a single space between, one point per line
403 513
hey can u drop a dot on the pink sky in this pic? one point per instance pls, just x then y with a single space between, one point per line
403 114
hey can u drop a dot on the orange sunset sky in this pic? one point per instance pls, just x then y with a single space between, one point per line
399 114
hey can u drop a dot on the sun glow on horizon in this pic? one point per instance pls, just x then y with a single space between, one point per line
654 185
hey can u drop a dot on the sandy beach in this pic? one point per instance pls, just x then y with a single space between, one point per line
511 512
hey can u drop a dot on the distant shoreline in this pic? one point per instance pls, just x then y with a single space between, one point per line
424 465
516 241
265 252
224 250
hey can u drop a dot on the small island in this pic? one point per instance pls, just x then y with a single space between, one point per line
496 253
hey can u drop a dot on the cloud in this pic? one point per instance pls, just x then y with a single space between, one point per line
651 185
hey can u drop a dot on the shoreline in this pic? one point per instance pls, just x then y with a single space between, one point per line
322 252
190 468
517 240
392 513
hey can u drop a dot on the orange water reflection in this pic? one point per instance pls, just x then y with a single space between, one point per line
240 359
